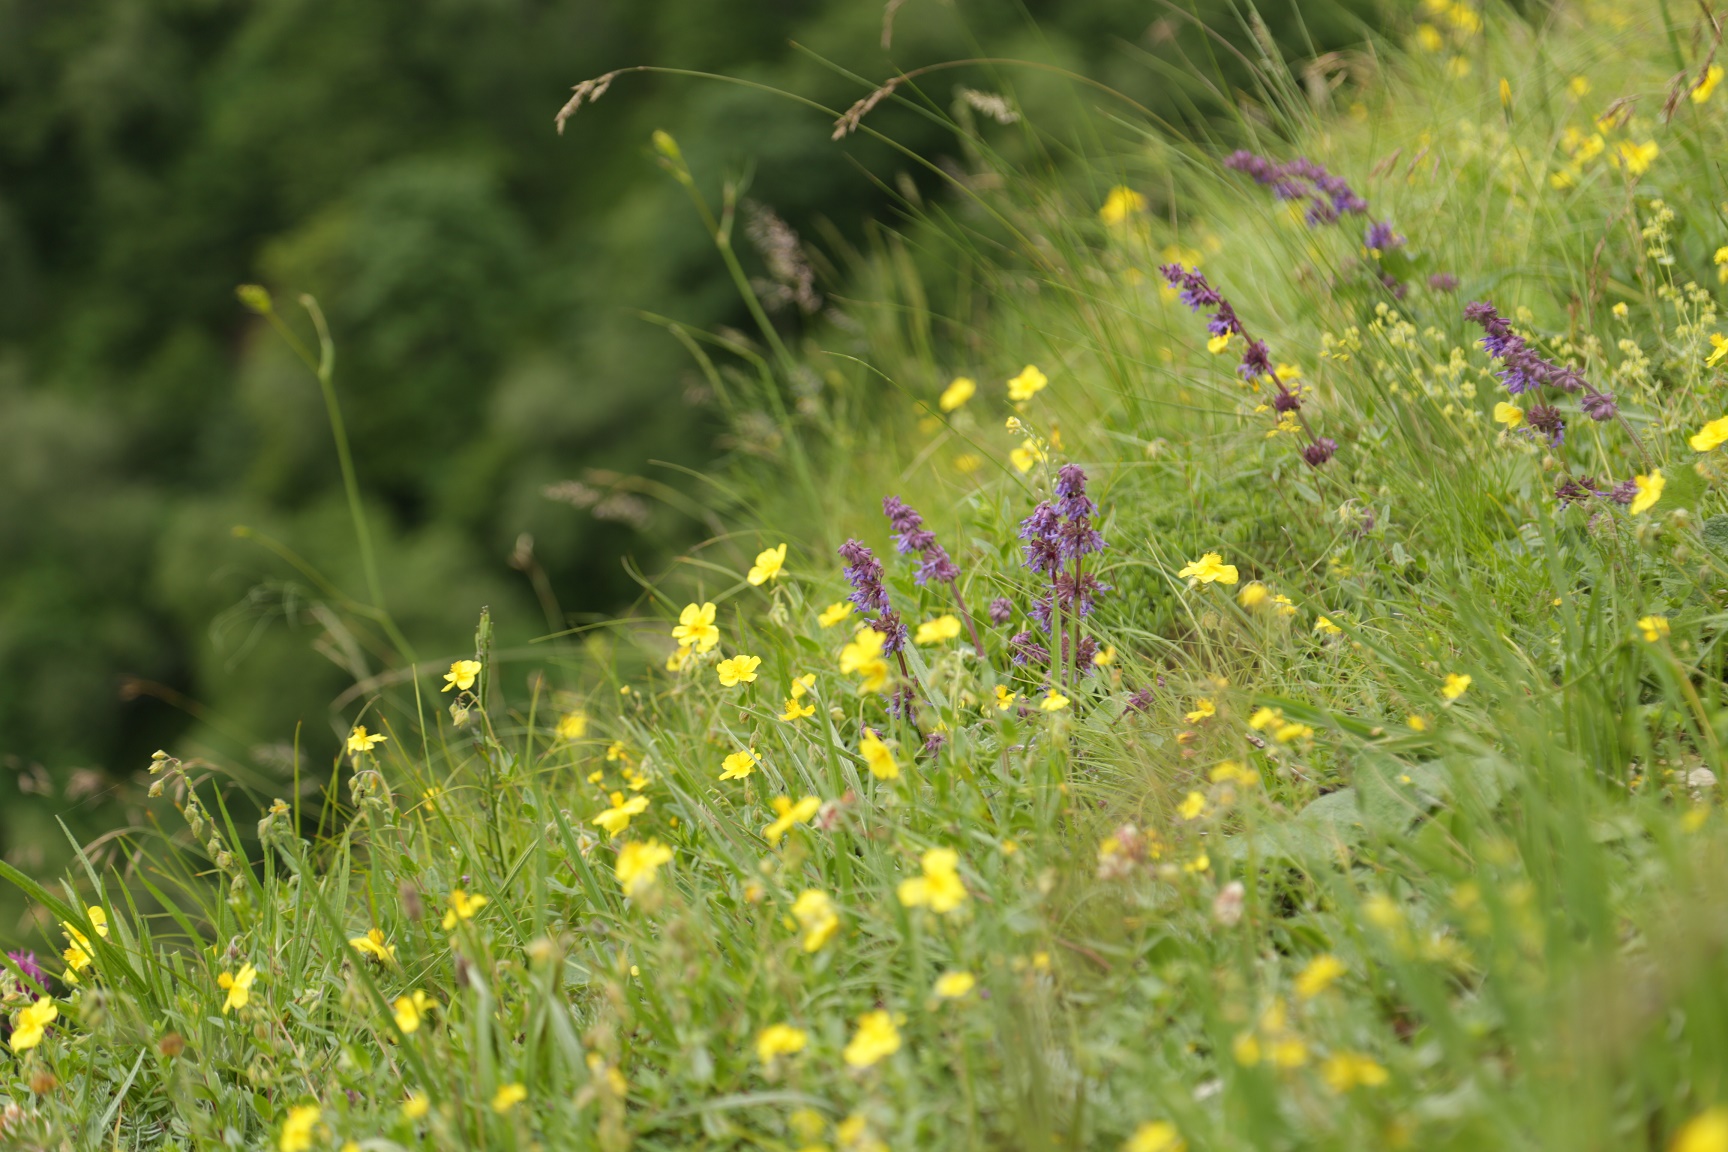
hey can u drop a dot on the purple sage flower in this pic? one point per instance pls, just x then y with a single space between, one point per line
1443 282
1599 406
864 573
1546 419
1001 611
1319 452
1381 237
1026 649
1624 493
26 962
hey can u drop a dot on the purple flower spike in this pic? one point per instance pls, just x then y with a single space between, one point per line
27 964
1443 282
1001 611
1319 452
1599 406
864 573
1546 419
1026 649
1382 238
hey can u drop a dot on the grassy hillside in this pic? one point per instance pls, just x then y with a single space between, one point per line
1307 731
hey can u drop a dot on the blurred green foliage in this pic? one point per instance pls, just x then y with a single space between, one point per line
396 158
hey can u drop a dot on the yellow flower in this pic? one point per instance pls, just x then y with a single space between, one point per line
1344 1071
372 944
297 1129
31 1023
769 564
959 390
461 675
1326 628
789 814
415 1106
1508 414
738 765
1417 724
1120 204
574 725
1053 701
801 685
1579 87
967 463
796 711
1200 863
1649 491
1155 1136
238 985
1288 732
1204 709
1428 38
737 670
1104 657
1004 698
1505 92
1635 158
696 629
1318 975
875 1039
1265 718
1285 607
1712 435
1192 805
864 650
1712 77
815 914
1720 343
954 985
939 888
617 818
80 955
1653 628
835 613
1705 1132
1209 569
507 1097
779 1040
1253 595
1456 685
1289 1052
411 1009
935 631
679 658
462 907
1233 772
361 740
639 864
878 757
1024 456
1028 384
1246 1049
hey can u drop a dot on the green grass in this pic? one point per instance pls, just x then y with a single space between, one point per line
1513 896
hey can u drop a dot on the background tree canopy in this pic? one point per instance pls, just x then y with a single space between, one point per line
396 158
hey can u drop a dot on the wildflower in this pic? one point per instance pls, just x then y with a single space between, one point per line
678 659
28 967
769 564
1053 701
1028 384
817 918
1320 451
462 907
415 1106
1634 158
1001 611
573 725
875 1039
1705 1132
939 888
1325 627
1253 595
953 985
1713 435
788 814
31 1024
945 627
1720 344
361 740
1209 569
1546 419
1204 709
1289 732
780 1040
1344 1071
1416 723
1233 772
372 944
796 711
238 985
738 765
1027 650
79 953
1653 628
1004 698
959 390
834 613
1649 490
507 1097
617 818
1155 1136
639 864
1192 806
696 629
864 573
1455 686
1120 204
878 757
1328 196
737 670
1218 345
296 1133
411 1009
461 675
1318 975
1508 414
1104 657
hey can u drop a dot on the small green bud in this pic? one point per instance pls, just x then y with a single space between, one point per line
256 298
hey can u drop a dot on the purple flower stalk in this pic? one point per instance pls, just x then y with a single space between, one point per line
911 536
1058 537
1328 196
1194 291
1001 611
26 962
1443 282
864 573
